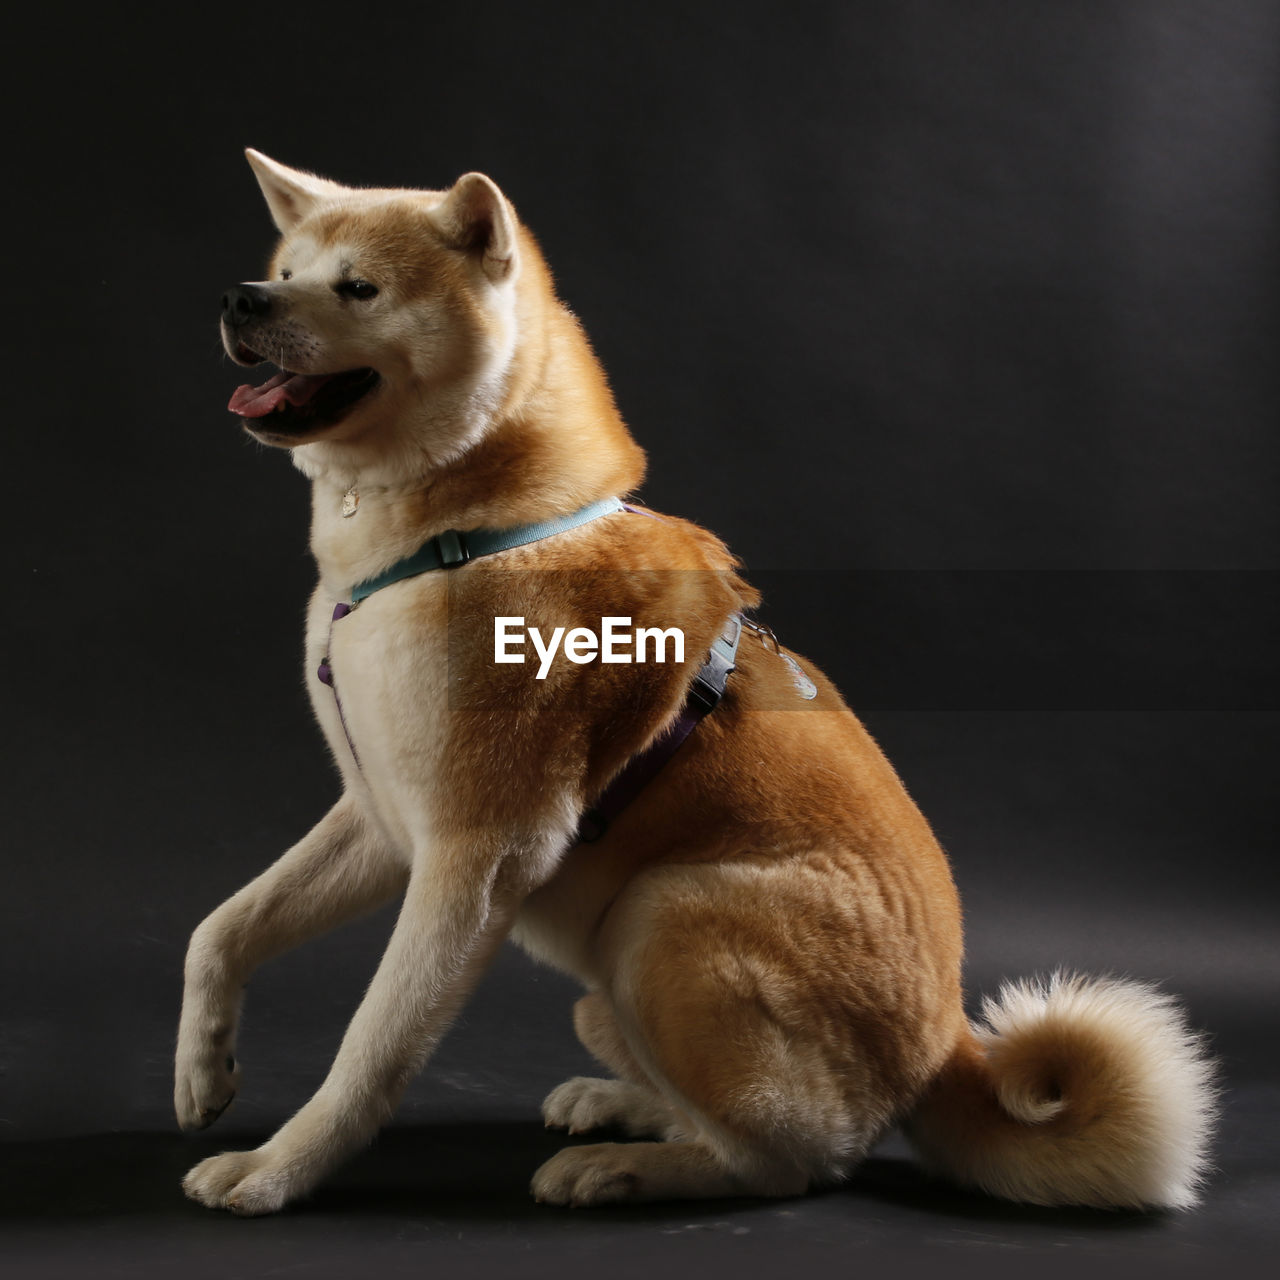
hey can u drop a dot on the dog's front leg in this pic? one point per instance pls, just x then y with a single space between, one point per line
339 870
456 911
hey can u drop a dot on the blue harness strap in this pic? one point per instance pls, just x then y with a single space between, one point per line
453 547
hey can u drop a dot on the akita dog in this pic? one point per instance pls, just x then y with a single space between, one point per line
766 929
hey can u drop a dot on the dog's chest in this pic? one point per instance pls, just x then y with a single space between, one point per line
384 710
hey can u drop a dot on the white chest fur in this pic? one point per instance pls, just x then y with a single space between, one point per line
388 701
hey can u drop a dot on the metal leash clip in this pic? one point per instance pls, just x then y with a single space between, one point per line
765 634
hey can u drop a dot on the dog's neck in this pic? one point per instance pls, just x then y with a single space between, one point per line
555 444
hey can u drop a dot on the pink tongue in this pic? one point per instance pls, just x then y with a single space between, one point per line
295 388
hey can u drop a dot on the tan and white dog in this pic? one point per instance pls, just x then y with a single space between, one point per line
768 935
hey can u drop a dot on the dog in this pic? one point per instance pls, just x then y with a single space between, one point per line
766 929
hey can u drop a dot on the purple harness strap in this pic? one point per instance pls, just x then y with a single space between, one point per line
325 674
704 696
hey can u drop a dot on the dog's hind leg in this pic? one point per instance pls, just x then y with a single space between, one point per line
598 1031
695 1160
700 1157
629 1102
339 870
721 1004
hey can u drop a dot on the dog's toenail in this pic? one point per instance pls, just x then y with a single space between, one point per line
231 1062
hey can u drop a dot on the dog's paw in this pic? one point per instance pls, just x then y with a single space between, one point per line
206 1079
581 1176
246 1182
583 1103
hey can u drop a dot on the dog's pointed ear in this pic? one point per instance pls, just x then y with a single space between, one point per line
291 193
475 216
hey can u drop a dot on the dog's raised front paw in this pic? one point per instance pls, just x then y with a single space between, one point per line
246 1182
206 1079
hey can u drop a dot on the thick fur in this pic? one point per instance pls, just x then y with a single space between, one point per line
1076 1091
769 935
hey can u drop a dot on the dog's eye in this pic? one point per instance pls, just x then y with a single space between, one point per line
286 275
355 289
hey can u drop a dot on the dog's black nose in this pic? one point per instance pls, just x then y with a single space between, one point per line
245 302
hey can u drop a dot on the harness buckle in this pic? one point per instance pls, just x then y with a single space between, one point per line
713 676
453 549
705 694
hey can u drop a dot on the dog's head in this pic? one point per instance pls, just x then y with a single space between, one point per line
391 315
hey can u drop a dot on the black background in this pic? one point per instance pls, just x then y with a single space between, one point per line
958 322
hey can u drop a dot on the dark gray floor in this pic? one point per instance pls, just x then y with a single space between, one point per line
444 1191
450 1198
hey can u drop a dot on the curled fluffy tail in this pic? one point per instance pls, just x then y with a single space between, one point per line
1076 1091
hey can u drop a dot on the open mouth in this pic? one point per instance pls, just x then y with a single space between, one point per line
299 403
